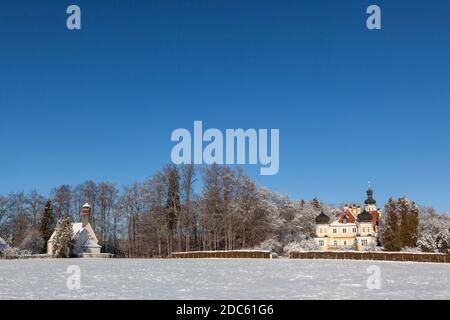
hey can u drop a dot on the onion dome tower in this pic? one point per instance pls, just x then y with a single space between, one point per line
322 218
364 217
370 205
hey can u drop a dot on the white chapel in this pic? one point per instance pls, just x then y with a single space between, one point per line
86 242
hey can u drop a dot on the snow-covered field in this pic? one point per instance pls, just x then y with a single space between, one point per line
222 279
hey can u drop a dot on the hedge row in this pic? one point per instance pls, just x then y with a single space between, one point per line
388 256
222 254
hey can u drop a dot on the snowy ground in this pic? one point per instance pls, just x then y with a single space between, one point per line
222 279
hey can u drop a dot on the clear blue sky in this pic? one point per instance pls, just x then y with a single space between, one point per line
352 105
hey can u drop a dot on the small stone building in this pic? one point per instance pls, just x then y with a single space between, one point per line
86 242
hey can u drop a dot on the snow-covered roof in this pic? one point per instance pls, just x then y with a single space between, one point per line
76 227
89 243
86 205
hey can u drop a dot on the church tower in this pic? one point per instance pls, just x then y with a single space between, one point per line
85 214
370 205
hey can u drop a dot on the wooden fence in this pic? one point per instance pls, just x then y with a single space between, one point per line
388 256
262 254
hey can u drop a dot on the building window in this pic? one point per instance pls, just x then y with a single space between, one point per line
334 230
345 243
335 242
354 230
364 229
321 243
344 230
364 242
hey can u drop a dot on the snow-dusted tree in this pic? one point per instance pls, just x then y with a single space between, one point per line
427 243
187 176
107 196
14 253
3 245
443 241
302 245
132 203
33 241
173 207
270 244
62 200
432 228
4 216
35 203
63 241
305 216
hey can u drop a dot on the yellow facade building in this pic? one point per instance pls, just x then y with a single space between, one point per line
352 229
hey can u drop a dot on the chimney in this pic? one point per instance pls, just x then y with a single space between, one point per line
85 214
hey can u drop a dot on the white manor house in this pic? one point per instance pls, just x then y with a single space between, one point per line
352 229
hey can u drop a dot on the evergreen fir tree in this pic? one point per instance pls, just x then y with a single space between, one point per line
403 208
391 230
413 228
47 225
63 241
409 223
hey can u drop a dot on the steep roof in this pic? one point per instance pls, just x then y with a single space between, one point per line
322 218
346 214
76 227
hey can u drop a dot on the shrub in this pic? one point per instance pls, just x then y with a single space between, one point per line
33 241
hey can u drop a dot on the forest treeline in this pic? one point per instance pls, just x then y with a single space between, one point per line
165 213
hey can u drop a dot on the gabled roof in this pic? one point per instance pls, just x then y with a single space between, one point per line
346 214
77 230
